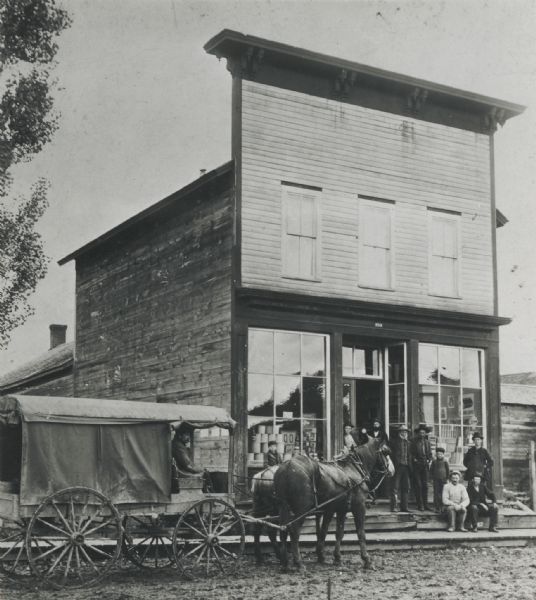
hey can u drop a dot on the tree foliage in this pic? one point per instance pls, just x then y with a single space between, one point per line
28 33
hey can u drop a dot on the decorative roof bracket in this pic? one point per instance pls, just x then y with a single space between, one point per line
247 65
416 100
343 82
496 116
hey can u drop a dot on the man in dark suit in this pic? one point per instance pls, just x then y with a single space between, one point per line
482 502
401 457
478 460
421 458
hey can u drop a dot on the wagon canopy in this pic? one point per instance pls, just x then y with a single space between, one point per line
56 409
120 448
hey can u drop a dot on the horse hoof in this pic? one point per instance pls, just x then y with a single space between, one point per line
336 560
368 566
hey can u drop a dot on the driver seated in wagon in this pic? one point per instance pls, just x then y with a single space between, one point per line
180 451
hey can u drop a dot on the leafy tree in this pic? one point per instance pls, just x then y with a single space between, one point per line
28 32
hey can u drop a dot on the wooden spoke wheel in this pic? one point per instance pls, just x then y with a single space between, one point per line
208 539
147 542
13 555
83 532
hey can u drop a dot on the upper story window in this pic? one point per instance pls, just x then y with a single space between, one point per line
444 253
300 232
376 266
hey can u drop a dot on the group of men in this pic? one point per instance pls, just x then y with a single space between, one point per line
415 466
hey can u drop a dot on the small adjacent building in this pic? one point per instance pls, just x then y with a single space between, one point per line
340 268
518 410
48 374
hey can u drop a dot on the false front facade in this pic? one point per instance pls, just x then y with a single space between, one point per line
340 269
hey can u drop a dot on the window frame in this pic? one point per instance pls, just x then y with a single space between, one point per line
365 202
455 217
294 188
327 378
483 388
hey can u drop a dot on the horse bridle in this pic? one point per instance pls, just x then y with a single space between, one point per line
358 463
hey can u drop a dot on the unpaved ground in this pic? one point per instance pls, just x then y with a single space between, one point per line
452 574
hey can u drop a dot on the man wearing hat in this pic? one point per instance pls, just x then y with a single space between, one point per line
478 460
421 458
455 501
401 457
482 501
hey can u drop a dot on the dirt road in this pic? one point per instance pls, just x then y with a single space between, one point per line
478 574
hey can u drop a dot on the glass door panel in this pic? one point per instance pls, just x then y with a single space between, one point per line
396 409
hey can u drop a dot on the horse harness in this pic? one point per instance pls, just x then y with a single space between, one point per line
350 484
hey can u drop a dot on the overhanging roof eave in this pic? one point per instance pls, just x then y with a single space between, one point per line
229 43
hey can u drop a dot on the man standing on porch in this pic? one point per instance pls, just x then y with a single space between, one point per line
421 458
402 462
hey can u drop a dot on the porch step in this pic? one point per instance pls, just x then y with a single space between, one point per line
420 540
380 520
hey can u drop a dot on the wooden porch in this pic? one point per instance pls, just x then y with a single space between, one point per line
427 529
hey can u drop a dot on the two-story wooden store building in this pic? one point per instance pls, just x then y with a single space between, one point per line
341 267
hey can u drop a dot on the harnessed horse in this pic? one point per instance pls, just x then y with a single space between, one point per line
303 486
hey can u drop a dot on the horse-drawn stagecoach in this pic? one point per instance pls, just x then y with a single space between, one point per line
85 483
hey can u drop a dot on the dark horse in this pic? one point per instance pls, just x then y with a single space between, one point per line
303 486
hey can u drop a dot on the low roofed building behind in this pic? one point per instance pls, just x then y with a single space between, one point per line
518 416
48 374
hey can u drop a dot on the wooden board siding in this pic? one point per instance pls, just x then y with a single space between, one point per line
348 150
56 386
154 307
518 429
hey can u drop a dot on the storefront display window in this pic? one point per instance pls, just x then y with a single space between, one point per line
287 393
451 398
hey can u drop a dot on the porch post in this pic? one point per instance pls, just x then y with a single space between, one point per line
336 394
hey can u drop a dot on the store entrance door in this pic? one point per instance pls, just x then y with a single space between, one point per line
363 400
375 385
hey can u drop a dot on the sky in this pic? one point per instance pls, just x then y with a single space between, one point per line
143 109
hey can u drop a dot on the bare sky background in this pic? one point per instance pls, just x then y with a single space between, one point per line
143 109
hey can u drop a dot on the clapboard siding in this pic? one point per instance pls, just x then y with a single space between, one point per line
154 307
348 150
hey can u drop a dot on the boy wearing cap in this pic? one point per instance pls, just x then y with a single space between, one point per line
455 501
272 457
440 475
478 460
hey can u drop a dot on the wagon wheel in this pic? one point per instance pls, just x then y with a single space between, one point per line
208 539
13 556
83 531
147 542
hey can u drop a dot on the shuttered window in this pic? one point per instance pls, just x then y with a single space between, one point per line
444 253
300 235
376 244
